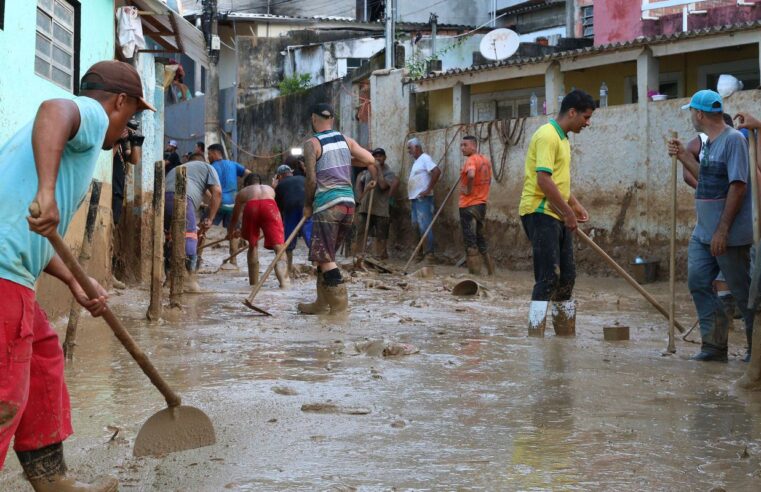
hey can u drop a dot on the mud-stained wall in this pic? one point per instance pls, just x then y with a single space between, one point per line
273 127
620 172
134 246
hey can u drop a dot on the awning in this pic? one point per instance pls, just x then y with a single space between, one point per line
170 30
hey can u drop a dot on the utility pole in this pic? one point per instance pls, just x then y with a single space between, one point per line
570 19
211 108
390 28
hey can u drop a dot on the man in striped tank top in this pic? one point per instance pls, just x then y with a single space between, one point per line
329 200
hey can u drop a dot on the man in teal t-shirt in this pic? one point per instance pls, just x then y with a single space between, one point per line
50 161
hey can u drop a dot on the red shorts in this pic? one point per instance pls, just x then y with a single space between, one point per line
34 402
264 215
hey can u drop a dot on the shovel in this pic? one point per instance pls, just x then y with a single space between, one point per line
249 301
177 427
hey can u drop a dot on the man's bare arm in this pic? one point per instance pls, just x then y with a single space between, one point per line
216 200
394 187
676 148
56 123
237 211
469 178
310 165
435 175
58 269
732 206
360 156
381 180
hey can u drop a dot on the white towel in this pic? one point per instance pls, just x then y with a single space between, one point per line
130 30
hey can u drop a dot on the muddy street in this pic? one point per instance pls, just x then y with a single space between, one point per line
306 403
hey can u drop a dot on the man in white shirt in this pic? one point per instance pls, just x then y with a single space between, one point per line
423 177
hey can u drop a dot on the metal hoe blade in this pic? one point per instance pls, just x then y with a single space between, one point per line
251 305
174 429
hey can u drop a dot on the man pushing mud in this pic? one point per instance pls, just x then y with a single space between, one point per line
328 157
550 215
256 203
51 161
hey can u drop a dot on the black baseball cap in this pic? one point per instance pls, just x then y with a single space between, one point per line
379 151
323 109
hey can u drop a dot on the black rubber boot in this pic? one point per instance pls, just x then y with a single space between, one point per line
46 471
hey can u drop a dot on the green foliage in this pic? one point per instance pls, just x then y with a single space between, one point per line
296 84
418 64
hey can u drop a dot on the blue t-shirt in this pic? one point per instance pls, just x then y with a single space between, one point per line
724 161
228 172
23 253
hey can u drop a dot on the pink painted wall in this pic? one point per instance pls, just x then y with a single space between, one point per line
620 20
617 21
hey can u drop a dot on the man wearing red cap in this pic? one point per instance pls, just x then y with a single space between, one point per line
50 161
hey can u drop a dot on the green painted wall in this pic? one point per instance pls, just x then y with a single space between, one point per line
21 90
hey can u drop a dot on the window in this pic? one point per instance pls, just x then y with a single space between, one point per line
56 41
352 64
587 22
505 105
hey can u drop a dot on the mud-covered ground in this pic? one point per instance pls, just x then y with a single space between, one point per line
481 407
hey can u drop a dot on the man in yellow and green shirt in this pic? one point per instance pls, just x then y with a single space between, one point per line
550 215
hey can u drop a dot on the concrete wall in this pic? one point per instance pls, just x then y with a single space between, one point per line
620 172
472 13
261 69
22 91
274 126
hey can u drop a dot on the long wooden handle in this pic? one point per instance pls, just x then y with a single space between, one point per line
172 399
610 261
430 226
672 254
213 243
367 224
752 152
269 269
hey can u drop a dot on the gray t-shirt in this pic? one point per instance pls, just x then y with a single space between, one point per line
725 161
200 176
381 198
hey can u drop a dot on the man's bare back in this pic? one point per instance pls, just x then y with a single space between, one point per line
255 192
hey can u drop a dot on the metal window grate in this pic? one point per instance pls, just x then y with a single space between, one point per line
587 21
54 47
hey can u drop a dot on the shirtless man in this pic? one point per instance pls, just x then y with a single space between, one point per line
256 202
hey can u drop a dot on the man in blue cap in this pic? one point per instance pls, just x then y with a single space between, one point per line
723 234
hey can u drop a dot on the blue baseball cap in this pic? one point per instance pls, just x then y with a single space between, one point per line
706 100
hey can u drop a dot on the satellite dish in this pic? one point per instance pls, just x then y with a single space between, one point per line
499 44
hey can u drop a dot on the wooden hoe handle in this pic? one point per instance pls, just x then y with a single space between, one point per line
172 399
610 261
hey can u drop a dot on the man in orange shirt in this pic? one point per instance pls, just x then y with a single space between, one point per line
475 180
